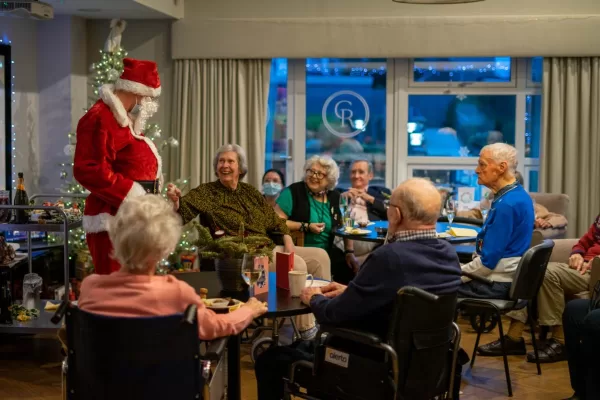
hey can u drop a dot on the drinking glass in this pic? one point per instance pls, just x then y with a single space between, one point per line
451 207
344 204
252 271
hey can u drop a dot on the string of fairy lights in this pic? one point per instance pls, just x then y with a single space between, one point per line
13 129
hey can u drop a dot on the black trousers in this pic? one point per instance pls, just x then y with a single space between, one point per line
582 338
340 271
480 290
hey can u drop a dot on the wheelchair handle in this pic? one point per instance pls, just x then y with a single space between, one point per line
190 314
415 291
60 312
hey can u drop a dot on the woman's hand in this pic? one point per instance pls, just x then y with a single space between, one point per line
174 194
542 224
352 262
288 244
316 227
258 307
576 261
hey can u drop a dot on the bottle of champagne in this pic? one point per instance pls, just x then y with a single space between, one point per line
21 199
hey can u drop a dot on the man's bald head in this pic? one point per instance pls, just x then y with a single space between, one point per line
419 201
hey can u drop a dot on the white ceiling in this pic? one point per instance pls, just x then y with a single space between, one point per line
106 9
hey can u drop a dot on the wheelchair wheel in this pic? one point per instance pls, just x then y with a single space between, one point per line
260 346
490 322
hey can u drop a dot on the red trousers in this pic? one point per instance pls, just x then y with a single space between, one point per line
101 250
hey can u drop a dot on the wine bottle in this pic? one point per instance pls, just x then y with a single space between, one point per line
21 199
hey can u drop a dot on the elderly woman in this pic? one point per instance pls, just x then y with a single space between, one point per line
144 231
226 204
507 230
312 206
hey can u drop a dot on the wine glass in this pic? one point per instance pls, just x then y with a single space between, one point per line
252 271
344 204
451 206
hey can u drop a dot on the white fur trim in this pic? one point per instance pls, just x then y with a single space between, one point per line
96 223
135 191
137 88
107 94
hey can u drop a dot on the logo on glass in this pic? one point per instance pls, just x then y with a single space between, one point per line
350 112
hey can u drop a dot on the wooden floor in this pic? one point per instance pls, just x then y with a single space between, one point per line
29 369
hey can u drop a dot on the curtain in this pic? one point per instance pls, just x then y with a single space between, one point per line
570 161
216 102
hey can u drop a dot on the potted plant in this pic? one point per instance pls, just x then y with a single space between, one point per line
228 254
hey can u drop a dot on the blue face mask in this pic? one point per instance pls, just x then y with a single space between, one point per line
135 111
271 188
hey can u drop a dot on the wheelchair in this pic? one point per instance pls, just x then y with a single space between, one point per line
140 358
417 360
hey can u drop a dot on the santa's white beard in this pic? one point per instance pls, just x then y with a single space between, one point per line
147 109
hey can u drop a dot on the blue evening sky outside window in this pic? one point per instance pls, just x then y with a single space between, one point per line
457 69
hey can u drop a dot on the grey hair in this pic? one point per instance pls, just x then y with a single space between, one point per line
420 201
242 160
519 178
501 152
331 168
369 164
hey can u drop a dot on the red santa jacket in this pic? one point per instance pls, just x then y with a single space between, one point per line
109 158
589 244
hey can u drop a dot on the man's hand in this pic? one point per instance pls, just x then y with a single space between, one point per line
585 267
360 193
258 307
288 244
174 194
316 227
332 290
542 223
576 261
309 292
352 262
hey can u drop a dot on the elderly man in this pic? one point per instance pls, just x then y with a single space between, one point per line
506 233
561 280
414 256
113 158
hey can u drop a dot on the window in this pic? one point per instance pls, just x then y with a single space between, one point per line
277 147
466 70
346 112
536 70
450 178
533 120
534 180
458 125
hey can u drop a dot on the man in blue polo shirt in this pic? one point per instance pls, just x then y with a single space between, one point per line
506 233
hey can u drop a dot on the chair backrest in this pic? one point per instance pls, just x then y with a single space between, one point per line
531 270
133 358
421 333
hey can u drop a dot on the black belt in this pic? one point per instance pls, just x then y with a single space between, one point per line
150 186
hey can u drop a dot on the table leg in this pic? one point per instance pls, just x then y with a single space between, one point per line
234 370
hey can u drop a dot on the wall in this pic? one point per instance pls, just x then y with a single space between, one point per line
146 40
23 35
383 28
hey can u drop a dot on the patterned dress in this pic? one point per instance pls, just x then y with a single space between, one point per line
223 209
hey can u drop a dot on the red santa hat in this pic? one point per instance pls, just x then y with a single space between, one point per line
139 77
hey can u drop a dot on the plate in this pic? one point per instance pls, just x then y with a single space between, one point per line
357 231
221 304
443 235
317 283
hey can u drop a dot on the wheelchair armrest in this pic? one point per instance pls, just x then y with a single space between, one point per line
351 334
478 278
419 293
60 312
215 349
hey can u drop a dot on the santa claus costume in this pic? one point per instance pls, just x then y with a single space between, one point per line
113 159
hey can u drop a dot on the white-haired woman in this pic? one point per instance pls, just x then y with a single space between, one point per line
226 204
312 206
144 231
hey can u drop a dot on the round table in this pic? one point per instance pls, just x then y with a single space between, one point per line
441 227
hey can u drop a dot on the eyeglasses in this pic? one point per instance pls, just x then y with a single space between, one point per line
311 172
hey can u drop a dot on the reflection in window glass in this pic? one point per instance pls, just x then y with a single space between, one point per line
346 112
276 147
537 69
453 126
4 136
451 179
482 69
534 180
533 121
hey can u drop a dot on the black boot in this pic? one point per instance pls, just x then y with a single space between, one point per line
494 349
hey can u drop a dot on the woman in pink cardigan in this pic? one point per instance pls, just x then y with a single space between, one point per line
144 231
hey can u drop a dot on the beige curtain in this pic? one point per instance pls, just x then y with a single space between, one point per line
216 102
570 161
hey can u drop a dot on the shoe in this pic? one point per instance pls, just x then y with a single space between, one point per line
309 334
574 397
552 351
494 349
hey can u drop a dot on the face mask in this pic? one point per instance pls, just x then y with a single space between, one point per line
135 111
272 188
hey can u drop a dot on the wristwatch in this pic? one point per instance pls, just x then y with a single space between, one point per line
348 251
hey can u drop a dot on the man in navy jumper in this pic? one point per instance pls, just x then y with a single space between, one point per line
414 256
506 233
